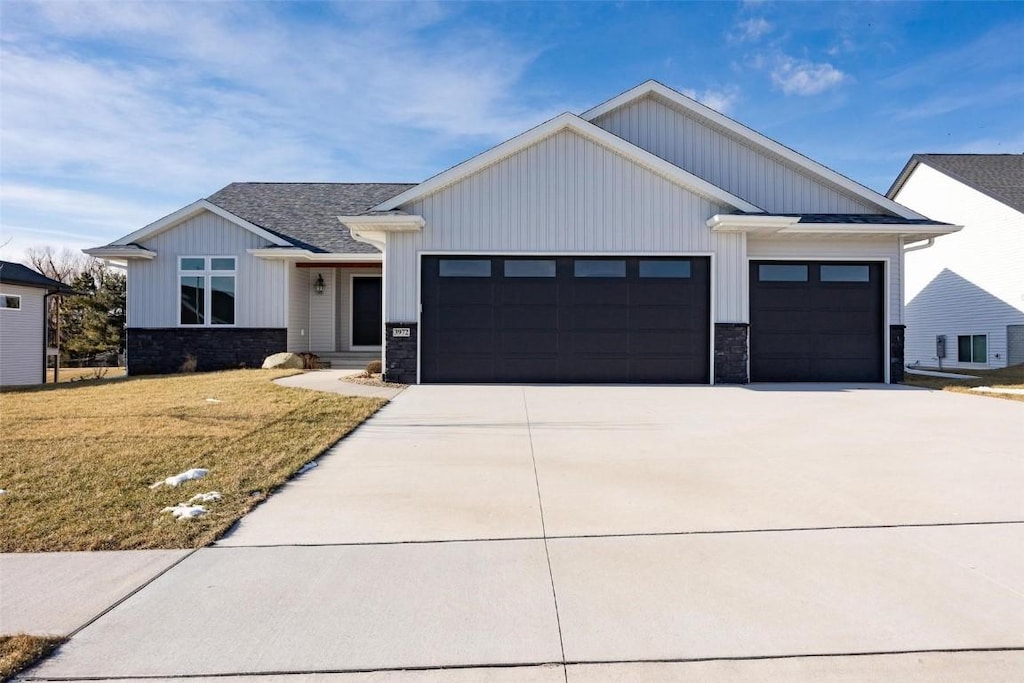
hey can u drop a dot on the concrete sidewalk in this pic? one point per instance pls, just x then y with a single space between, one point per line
57 593
333 381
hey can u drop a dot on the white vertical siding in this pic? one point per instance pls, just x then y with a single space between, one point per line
321 313
153 285
838 248
344 304
564 195
713 154
970 282
21 337
298 309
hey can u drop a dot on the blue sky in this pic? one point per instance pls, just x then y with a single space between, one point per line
115 114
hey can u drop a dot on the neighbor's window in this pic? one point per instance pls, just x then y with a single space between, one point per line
206 287
10 301
972 348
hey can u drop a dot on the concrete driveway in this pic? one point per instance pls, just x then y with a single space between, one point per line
614 533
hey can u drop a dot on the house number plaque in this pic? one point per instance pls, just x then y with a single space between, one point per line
400 332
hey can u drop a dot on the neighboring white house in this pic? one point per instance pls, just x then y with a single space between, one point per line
23 294
649 239
967 289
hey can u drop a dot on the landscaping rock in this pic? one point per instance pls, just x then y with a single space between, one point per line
290 361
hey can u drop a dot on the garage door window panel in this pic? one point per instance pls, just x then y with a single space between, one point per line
530 268
675 269
845 273
465 268
605 268
782 272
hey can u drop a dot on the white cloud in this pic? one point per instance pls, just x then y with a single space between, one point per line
803 77
750 30
721 100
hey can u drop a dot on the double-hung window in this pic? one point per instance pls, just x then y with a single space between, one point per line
206 290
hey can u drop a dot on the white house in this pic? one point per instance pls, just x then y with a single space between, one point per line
966 292
23 296
650 239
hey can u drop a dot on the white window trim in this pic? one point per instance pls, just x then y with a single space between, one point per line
972 362
5 307
206 273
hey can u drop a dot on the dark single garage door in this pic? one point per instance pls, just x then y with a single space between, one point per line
814 321
565 319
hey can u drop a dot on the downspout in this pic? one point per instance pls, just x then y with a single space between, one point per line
46 329
916 247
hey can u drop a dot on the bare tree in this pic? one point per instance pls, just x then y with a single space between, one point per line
64 265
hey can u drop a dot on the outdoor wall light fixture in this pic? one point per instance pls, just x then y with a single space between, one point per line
319 284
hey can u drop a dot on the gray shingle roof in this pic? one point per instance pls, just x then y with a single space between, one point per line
858 218
1000 176
17 274
306 214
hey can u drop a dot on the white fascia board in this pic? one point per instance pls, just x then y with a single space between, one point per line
586 129
913 231
733 223
121 253
193 209
306 255
752 136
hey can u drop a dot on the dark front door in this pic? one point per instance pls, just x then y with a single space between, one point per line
566 319
366 311
816 321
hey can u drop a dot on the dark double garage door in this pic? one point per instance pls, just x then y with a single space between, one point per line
643 319
565 319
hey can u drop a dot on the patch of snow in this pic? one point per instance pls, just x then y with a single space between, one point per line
307 467
999 390
186 511
213 400
3 492
204 497
179 479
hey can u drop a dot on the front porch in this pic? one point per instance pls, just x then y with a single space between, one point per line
336 311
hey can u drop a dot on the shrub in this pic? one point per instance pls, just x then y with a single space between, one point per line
373 367
189 365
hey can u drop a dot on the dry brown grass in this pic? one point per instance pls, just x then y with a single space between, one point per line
1011 377
84 374
19 652
78 458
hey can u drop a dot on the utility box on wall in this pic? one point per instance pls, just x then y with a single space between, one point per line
940 346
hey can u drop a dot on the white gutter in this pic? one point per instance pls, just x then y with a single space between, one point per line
916 247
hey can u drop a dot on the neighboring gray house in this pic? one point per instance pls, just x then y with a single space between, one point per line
23 296
650 239
967 289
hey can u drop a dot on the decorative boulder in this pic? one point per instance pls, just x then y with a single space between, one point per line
289 361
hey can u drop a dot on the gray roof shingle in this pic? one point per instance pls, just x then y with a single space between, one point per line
17 274
306 214
1000 176
854 218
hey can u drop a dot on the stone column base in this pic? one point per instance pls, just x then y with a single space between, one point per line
731 353
400 363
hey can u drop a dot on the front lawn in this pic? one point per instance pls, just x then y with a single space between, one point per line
78 459
21 651
1011 378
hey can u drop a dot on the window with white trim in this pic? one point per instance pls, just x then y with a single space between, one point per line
972 348
206 290
10 302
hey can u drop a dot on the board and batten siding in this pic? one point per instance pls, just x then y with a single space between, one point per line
153 293
21 337
298 309
343 310
970 282
712 153
564 195
799 248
